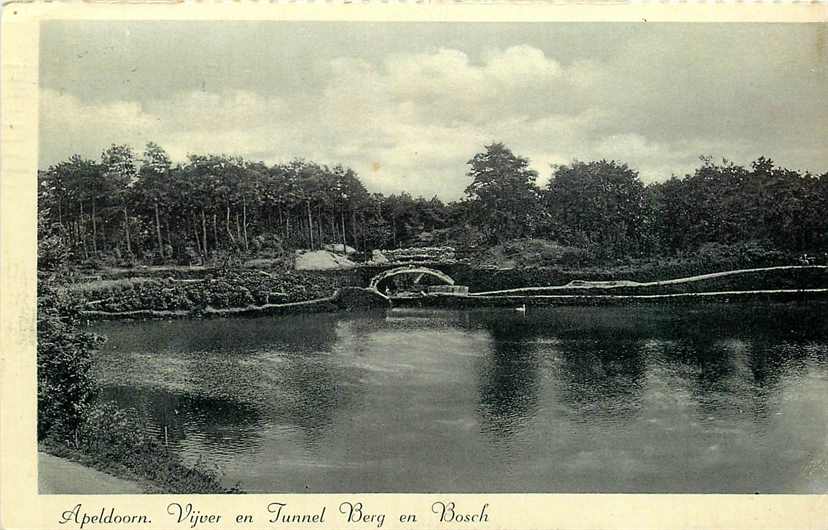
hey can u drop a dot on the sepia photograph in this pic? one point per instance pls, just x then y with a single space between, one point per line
328 257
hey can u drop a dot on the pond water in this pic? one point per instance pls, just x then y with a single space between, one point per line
708 398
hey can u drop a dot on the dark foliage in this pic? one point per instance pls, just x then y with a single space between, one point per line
219 289
217 210
116 438
64 383
69 421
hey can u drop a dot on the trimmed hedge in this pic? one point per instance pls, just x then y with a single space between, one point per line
220 290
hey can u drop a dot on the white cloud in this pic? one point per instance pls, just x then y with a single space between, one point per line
412 120
522 66
234 109
69 126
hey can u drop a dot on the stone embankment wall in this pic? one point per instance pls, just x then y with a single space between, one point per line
250 292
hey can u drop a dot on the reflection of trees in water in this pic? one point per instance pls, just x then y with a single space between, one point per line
770 361
601 370
602 375
281 369
509 379
732 358
766 322
710 368
317 386
710 359
734 355
222 335
294 334
314 394
768 364
221 422
735 376
717 352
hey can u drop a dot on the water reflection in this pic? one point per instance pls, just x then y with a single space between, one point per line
509 379
735 364
230 371
217 423
769 362
601 376
299 333
314 394
709 362
712 398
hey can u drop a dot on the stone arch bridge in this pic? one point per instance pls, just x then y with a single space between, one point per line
419 272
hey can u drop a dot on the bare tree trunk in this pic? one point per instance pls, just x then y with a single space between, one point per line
227 224
126 230
238 227
354 237
204 232
331 227
362 231
158 231
280 221
215 230
319 225
82 233
169 235
195 232
310 224
244 223
342 221
94 231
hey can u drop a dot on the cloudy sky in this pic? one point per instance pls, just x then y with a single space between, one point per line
407 104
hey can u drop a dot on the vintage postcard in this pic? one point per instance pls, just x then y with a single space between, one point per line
414 266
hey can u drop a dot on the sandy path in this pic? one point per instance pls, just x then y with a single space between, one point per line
59 476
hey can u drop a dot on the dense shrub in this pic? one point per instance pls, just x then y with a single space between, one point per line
64 383
747 254
529 253
52 250
219 289
69 422
113 437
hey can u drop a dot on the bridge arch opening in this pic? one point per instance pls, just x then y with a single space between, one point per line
414 275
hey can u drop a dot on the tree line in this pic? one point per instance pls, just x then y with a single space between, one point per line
144 208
